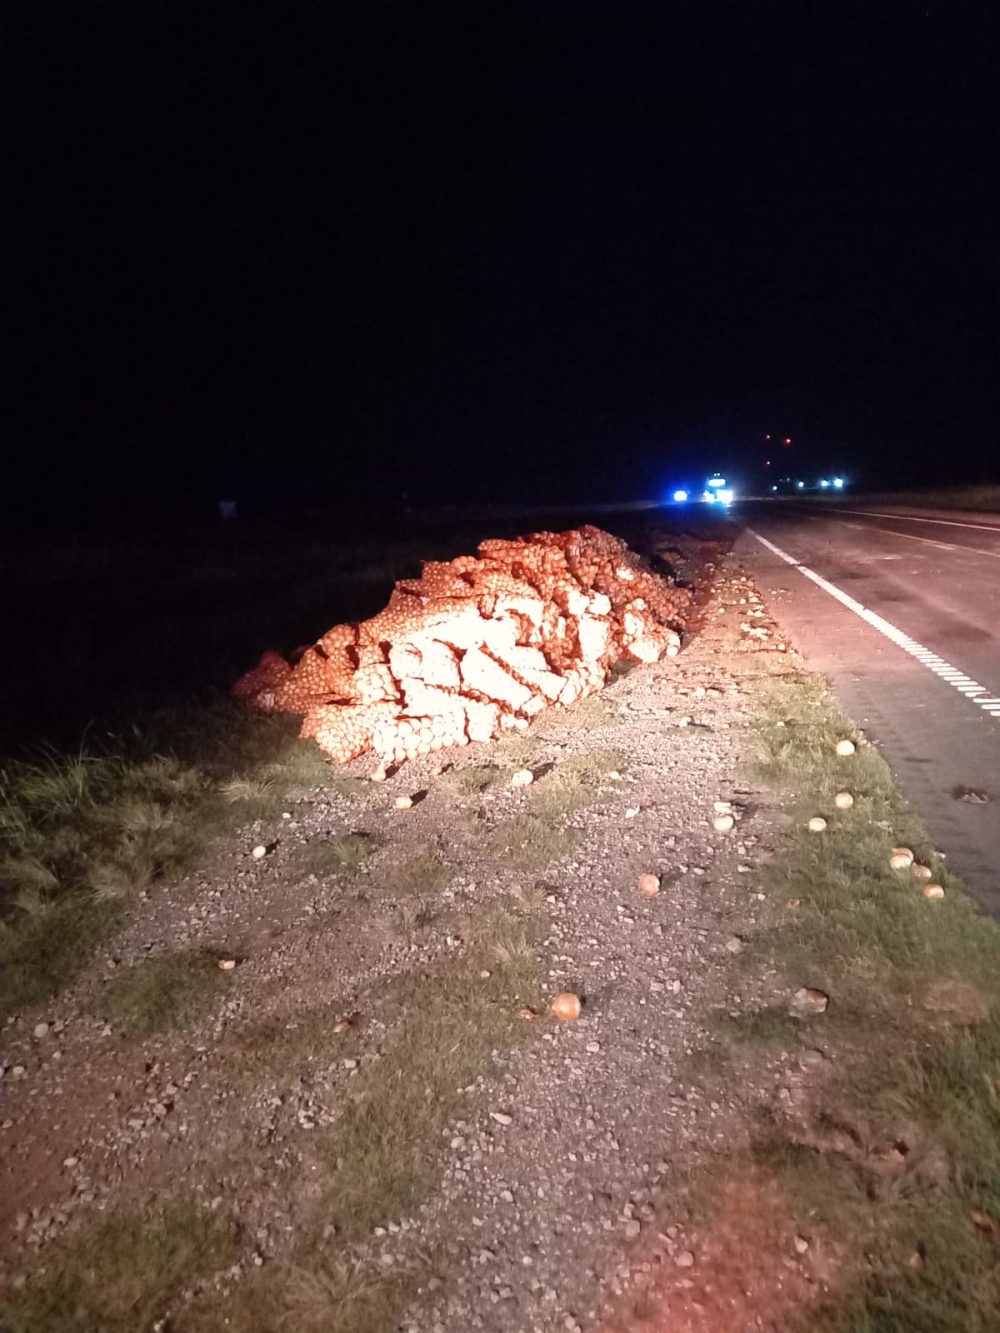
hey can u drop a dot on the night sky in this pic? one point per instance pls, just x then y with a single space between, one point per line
307 254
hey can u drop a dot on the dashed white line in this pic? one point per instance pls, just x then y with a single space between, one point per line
990 704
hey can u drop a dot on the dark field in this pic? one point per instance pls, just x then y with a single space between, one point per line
105 630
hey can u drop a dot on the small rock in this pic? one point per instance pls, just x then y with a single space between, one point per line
685 1259
922 872
501 1118
817 824
974 797
845 748
807 1001
227 964
843 800
41 1030
632 1229
801 1245
403 802
522 778
723 823
901 858
933 891
649 885
734 945
259 852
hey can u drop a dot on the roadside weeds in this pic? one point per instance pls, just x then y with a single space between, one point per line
82 836
893 1153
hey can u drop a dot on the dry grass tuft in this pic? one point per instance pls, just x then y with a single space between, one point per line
341 855
323 1296
421 874
474 779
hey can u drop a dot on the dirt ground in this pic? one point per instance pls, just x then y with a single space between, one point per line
562 1199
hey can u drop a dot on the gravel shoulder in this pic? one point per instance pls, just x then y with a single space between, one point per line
557 1178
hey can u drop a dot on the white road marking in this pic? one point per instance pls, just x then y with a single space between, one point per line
917 518
979 694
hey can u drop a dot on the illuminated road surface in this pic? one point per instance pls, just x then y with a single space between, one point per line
901 611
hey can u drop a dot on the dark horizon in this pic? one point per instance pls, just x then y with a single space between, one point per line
529 252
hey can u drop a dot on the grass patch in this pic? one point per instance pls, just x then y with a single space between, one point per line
589 714
164 991
285 1046
533 839
902 1155
474 779
47 943
758 1027
420 874
347 786
384 1148
530 842
413 916
341 855
124 1275
320 1297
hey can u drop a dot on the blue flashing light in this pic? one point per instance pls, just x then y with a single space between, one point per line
838 483
716 483
800 485
824 484
680 496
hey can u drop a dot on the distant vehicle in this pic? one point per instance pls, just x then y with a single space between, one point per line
717 491
798 485
714 490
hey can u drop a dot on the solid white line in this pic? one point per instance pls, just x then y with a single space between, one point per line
964 684
916 518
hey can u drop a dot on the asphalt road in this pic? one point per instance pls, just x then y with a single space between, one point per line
900 610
